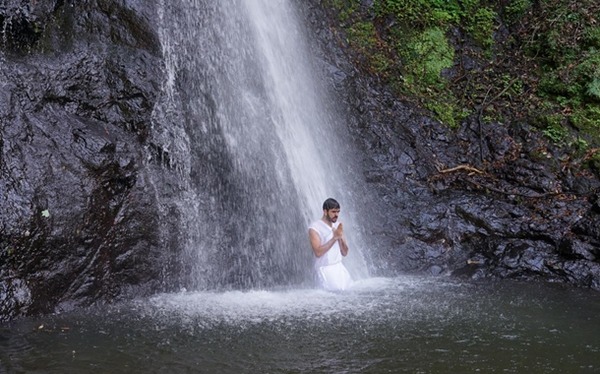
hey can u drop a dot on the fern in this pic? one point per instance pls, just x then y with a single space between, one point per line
593 88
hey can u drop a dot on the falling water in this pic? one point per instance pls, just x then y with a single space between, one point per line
243 127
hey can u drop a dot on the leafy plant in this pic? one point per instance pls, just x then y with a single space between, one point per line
446 111
346 8
553 128
593 88
556 133
426 55
544 67
362 36
516 8
593 160
587 119
591 37
581 145
421 13
481 26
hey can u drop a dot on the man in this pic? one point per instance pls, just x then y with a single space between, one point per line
329 246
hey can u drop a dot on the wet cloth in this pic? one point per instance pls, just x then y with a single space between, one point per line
331 273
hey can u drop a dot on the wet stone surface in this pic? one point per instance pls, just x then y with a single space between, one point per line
79 215
78 218
477 202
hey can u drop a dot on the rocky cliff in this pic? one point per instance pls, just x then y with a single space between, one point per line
78 214
79 171
493 200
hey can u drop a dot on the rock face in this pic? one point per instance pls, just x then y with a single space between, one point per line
481 201
79 214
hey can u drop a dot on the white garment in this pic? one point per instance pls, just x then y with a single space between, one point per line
332 274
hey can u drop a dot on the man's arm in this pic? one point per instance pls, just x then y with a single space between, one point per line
343 246
315 242
342 240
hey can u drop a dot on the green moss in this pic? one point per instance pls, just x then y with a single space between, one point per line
515 9
447 111
425 55
544 69
552 127
420 13
478 20
346 8
556 133
580 145
593 88
591 37
481 25
380 63
587 119
362 36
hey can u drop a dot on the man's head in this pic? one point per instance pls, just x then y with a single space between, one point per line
331 210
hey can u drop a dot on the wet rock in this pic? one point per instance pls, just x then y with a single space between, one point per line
435 270
523 215
78 222
79 169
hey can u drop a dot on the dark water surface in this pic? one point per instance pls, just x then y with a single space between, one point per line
401 325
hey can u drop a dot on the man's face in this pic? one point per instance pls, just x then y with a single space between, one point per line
332 215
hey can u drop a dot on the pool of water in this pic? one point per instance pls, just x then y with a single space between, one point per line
399 325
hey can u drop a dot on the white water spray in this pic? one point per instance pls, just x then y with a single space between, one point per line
243 123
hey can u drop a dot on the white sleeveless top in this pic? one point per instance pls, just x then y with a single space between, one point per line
333 255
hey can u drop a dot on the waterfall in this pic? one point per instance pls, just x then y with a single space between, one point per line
252 151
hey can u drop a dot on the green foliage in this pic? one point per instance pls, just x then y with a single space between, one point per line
566 45
478 20
423 13
594 160
362 36
574 83
587 74
591 37
554 130
421 51
446 111
552 84
346 8
544 67
587 119
580 145
481 26
425 55
516 9
593 88
512 87
380 63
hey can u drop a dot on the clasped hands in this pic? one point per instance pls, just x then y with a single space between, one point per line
338 232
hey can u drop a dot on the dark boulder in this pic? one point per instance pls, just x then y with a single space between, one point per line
78 222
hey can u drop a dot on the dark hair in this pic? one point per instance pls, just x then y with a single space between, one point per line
331 204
